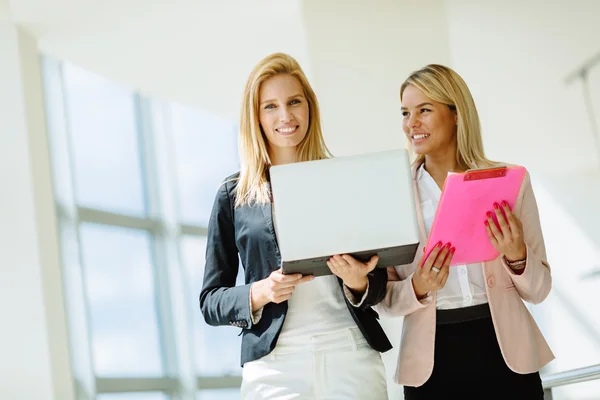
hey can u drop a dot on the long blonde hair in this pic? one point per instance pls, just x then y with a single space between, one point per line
254 157
444 85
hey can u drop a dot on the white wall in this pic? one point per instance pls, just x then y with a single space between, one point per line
195 52
360 53
33 339
515 56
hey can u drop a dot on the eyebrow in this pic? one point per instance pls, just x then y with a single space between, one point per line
419 105
289 98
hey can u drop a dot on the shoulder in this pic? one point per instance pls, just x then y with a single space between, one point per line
226 191
526 186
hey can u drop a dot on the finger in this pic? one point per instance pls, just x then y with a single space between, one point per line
441 258
444 278
278 286
305 278
278 276
373 262
445 269
282 298
334 269
513 222
350 260
342 261
428 260
283 291
494 228
490 234
504 228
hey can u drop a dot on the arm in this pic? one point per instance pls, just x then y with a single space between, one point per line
533 283
400 298
374 293
221 302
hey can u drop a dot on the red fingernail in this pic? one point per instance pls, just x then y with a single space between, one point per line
448 245
505 204
489 214
486 223
438 244
496 206
452 250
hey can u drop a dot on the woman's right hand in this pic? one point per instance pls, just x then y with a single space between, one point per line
276 288
433 273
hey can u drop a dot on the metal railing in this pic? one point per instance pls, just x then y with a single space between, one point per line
570 377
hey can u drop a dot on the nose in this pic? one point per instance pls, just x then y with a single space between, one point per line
413 121
286 115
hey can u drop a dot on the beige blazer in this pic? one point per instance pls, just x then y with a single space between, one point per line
524 348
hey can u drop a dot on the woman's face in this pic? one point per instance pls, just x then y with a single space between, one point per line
430 126
283 111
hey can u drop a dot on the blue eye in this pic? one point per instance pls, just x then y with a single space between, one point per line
269 106
295 101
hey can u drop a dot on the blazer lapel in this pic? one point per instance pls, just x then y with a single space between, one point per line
420 221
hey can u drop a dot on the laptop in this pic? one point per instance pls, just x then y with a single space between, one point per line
360 205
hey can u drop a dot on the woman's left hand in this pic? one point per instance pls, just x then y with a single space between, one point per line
507 238
351 271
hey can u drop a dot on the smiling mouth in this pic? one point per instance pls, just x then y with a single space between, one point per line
420 136
287 130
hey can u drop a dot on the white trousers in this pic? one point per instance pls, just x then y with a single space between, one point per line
334 366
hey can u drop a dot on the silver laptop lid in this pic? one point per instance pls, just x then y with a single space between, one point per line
344 205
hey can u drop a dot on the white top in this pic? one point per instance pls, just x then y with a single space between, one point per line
315 308
466 284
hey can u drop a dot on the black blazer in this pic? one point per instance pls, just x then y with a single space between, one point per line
249 232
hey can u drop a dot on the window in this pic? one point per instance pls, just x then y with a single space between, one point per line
135 179
217 350
104 143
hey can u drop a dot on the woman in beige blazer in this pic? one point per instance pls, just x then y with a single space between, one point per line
465 327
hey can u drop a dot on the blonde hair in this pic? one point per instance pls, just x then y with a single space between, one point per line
254 157
444 85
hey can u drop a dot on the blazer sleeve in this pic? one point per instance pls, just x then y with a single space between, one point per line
400 298
535 282
221 302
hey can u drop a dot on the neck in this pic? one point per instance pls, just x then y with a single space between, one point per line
282 155
438 165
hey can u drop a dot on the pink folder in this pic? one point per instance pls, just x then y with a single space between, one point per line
461 212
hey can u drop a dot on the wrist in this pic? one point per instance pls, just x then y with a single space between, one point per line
358 285
259 300
419 293
517 256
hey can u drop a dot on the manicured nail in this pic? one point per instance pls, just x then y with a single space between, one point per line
486 224
489 214
438 244
452 250
505 204
496 206
448 245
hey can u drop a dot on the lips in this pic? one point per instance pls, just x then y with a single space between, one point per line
288 130
420 136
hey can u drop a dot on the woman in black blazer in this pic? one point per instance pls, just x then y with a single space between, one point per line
302 337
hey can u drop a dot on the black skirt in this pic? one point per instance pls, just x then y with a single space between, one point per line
468 363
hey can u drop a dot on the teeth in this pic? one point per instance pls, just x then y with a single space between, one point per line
421 136
286 130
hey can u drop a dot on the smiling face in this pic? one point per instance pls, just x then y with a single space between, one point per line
429 126
283 112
